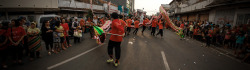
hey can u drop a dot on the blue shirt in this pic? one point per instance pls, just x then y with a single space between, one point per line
240 39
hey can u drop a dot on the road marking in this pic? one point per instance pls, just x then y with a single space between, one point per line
130 42
72 58
165 60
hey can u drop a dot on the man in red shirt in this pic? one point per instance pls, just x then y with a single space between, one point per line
129 22
123 22
136 26
117 32
154 22
144 24
160 24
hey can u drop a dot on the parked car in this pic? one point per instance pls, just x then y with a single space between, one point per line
38 18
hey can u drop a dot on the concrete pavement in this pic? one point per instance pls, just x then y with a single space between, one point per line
139 52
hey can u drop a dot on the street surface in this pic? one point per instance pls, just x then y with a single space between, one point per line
138 52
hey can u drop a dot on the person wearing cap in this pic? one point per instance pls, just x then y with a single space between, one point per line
34 41
75 24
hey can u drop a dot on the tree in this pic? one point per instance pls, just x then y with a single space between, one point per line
90 14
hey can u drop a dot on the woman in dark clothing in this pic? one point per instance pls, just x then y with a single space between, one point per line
47 36
4 43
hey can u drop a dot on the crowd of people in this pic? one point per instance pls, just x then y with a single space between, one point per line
225 35
19 39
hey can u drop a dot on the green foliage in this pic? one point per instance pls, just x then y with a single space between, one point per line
90 14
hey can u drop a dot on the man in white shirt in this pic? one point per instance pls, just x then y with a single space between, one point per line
75 23
95 20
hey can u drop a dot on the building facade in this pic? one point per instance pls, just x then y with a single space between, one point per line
127 5
10 9
235 12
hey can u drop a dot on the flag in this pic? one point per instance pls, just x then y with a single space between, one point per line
98 30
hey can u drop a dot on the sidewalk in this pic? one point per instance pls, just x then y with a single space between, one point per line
227 52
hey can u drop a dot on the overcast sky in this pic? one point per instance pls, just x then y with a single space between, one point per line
151 6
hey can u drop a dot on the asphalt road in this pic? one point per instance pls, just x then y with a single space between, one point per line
138 52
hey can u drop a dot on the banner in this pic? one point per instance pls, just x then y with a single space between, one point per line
91 7
109 3
166 17
106 26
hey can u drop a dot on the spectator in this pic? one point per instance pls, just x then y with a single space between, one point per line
66 32
245 51
90 24
239 41
208 36
25 39
4 43
16 35
47 36
71 30
34 41
191 28
82 24
75 24
227 38
60 30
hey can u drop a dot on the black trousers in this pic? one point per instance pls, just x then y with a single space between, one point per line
160 32
25 45
208 40
135 31
32 54
3 56
76 39
49 43
128 30
91 31
17 52
143 28
116 45
153 31
67 39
